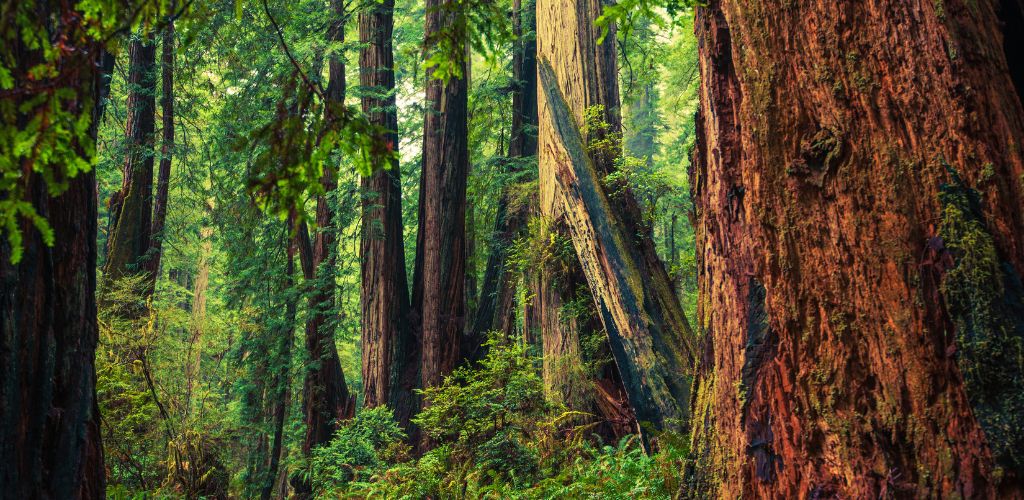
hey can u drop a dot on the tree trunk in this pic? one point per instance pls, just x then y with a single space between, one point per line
326 398
653 361
129 238
496 310
647 331
194 348
166 148
439 284
282 382
860 231
390 356
49 420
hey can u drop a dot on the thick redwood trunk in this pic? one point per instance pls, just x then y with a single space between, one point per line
647 332
439 282
132 206
390 356
166 148
49 420
860 227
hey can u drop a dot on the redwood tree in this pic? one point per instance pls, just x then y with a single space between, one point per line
439 276
859 185
49 420
131 207
390 355
580 129
326 397
496 309
166 149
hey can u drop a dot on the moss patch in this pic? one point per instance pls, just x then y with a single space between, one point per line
985 301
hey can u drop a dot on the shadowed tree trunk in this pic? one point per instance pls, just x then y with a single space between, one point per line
326 398
49 420
390 357
860 230
496 309
282 382
131 207
648 335
166 149
439 276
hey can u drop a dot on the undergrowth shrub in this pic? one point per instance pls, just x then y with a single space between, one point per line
495 436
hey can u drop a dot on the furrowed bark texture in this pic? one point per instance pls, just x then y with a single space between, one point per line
860 223
49 420
167 146
439 280
496 309
390 357
131 228
326 397
647 332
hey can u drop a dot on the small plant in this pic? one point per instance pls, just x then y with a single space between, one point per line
360 448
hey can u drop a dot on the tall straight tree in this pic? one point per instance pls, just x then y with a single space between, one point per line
131 207
496 310
326 397
860 223
439 274
152 263
390 357
647 331
49 420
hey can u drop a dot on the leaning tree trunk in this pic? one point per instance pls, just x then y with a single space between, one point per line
647 331
49 419
859 186
439 280
131 207
390 357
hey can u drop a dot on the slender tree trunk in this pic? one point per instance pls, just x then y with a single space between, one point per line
129 238
647 331
390 355
49 420
282 381
326 398
860 228
496 309
166 149
202 283
439 283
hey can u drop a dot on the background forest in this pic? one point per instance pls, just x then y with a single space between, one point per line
512 248
200 387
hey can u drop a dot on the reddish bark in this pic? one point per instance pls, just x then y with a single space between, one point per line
49 420
496 310
647 331
390 356
860 227
439 278
326 397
